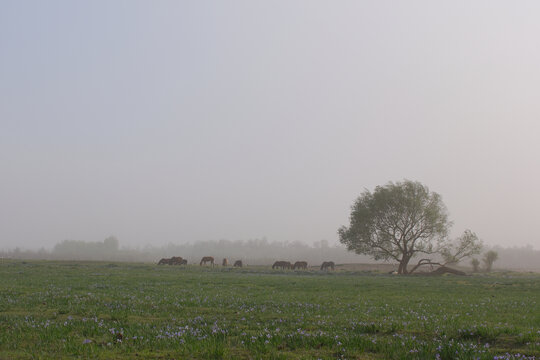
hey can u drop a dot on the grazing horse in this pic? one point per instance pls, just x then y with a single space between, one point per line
175 260
225 262
282 264
327 264
164 261
183 262
238 263
206 259
300 265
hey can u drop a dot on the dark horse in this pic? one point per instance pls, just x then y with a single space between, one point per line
238 263
327 264
206 259
282 264
225 262
300 265
184 262
175 260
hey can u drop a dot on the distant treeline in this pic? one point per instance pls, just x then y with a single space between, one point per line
253 252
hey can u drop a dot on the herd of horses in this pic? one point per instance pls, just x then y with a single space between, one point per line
178 260
301 265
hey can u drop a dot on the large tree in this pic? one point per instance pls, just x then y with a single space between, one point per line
400 221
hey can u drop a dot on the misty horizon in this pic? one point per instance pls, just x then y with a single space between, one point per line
180 122
251 252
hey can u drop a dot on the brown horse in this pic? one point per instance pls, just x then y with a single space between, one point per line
327 264
225 262
164 261
238 263
282 264
175 260
300 265
206 259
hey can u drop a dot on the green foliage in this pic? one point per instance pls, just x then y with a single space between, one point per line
465 246
98 311
395 222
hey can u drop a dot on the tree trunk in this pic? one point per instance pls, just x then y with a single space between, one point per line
402 269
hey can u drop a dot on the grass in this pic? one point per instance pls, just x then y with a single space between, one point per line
125 311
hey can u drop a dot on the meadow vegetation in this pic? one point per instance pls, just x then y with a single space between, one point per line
127 310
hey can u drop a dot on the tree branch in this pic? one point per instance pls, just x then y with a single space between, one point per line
423 262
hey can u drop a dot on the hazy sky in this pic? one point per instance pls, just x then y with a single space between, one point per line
181 121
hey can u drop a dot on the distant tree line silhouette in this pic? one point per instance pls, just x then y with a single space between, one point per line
252 252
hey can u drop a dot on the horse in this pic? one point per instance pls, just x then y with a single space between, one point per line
300 265
238 263
206 259
327 264
175 260
164 261
225 262
183 262
282 264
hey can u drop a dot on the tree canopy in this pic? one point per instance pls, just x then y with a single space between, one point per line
399 221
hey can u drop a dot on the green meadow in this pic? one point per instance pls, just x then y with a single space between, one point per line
144 311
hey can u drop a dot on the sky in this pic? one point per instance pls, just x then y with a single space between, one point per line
181 121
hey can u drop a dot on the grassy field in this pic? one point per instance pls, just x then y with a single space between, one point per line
137 311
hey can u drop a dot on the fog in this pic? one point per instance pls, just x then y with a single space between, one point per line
184 122
257 252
